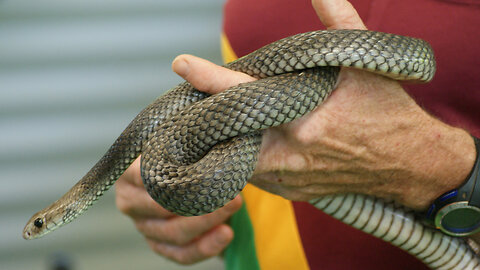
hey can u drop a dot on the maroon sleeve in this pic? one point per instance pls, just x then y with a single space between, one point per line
451 26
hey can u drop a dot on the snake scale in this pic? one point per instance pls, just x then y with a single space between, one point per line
198 151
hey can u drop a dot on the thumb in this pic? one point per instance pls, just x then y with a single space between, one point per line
206 76
338 14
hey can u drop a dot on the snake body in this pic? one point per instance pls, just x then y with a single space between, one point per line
198 151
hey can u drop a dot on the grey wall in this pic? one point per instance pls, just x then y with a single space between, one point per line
72 75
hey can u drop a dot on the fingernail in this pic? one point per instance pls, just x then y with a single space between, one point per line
180 66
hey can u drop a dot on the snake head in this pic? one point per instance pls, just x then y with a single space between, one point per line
40 224
36 227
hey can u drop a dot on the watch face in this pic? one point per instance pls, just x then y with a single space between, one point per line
458 219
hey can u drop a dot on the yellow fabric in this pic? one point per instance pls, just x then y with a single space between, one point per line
277 240
228 54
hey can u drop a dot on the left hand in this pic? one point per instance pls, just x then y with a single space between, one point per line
185 240
368 137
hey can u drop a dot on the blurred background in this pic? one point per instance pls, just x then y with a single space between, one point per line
72 76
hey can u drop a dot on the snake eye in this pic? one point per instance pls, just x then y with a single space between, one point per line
38 223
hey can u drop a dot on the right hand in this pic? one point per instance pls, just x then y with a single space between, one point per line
185 240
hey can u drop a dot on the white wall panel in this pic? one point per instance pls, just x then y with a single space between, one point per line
72 76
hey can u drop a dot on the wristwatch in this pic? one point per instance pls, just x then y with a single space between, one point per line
457 212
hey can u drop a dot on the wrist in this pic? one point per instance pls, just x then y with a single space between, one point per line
448 155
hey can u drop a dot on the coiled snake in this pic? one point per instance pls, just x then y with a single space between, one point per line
198 151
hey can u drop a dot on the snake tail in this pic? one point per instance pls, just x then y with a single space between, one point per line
399 226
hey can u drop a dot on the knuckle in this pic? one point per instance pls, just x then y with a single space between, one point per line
122 202
304 136
310 129
207 251
183 258
172 253
151 229
173 234
141 227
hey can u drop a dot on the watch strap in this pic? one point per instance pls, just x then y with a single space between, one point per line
471 189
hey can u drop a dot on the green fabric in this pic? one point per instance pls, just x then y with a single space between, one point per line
241 254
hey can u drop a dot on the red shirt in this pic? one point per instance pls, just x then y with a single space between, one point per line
451 27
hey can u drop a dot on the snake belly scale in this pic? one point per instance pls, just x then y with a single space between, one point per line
198 151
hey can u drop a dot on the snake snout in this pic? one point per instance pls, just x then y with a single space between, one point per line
28 232
26 235
36 227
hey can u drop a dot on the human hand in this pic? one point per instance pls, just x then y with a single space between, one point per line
369 137
185 240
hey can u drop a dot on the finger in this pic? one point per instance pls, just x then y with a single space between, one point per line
137 203
132 174
205 75
182 230
208 245
133 200
338 14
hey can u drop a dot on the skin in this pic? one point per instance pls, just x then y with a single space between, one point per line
369 137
